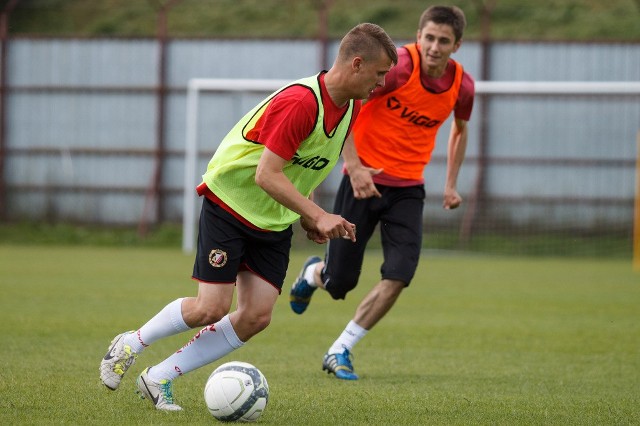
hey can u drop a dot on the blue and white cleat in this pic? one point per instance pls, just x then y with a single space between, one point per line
340 365
301 291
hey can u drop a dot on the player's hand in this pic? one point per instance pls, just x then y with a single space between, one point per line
362 183
329 226
316 238
451 199
312 234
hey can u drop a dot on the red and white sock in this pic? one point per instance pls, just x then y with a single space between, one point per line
167 322
209 344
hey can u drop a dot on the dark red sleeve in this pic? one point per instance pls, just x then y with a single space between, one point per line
357 106
464 105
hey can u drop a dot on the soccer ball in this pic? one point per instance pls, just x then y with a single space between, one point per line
236 392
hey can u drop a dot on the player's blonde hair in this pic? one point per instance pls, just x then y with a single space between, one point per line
366 40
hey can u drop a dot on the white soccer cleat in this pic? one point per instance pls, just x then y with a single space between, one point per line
116 362
159 393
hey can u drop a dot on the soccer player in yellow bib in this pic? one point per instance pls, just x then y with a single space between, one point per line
257 184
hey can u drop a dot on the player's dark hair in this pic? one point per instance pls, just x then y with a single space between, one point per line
366 40
447 15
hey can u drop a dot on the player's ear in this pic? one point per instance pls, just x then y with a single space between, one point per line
456 45
356 64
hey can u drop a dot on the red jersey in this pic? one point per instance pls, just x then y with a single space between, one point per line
288 120
291 117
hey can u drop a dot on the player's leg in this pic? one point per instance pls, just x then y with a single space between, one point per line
401 236
260 280
401 231
258 284
341 274
342 256
373 307
378 302
256 299
126 347
305 284
181 314
210 343
221 248
264 258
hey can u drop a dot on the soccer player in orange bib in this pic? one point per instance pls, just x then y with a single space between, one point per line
383 182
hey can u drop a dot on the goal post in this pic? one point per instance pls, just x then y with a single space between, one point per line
198 85
194 88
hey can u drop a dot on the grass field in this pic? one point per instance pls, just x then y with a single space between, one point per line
511 19
474 340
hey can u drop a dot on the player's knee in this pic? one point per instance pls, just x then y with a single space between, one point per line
249 324
338 287
390 288
399 272
205 315
260 322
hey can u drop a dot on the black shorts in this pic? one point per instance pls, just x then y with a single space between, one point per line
399 214
227 246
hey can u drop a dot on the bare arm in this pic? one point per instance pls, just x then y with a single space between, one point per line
323 225
360 176
455 156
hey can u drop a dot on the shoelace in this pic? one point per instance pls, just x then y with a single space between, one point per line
346 358
165 388
130 359
131 356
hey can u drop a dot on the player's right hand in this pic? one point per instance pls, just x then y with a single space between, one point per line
362 183
329 226
316 238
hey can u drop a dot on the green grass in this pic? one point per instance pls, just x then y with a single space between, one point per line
511 19
519 242
474 340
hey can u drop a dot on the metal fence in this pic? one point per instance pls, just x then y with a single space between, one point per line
93 130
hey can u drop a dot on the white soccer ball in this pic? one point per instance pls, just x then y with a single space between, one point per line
236 392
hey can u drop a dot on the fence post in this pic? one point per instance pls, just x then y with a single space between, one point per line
4 39
636 215
477 196
154 199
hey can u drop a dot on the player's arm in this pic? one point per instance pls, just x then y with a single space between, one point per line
359 175
455 156
271 178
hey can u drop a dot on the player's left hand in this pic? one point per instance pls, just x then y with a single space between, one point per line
451 199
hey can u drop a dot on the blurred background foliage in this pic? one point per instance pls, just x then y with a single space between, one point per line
550 20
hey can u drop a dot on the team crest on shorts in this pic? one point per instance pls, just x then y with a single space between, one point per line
218 258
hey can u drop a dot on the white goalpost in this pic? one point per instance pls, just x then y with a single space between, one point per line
198 85
195 86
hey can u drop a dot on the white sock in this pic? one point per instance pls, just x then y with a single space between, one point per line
309 275
349 337
209 344
166 323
